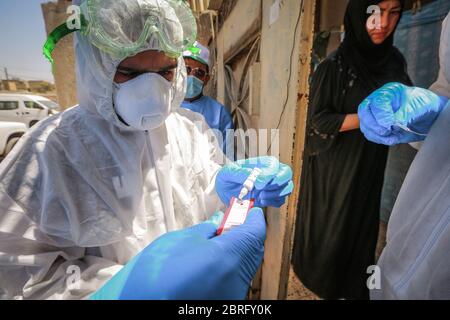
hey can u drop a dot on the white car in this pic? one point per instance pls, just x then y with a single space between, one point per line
28 109
10 133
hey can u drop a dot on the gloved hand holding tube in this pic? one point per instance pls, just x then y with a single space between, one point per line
397 114
270 188
193 264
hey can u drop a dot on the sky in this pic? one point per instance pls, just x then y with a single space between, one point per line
22 36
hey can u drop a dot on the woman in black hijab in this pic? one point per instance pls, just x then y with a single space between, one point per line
340 191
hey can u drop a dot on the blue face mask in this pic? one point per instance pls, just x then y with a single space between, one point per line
194 87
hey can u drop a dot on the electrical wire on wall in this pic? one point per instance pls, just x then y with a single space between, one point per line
238 96
290 73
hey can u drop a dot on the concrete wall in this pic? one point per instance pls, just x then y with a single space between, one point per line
279 96
240 26
64 67
332 19
279 62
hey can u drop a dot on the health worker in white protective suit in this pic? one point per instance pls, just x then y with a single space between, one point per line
414 264
87 190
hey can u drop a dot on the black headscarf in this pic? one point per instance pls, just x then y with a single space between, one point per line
374 64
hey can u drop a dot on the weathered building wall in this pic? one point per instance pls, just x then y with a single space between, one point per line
238 30
332 19
275 78
64 67
283 107
279 67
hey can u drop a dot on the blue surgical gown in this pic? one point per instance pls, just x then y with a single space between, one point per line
216 115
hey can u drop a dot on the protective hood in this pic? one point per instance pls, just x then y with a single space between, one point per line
95 77
90 180
96 68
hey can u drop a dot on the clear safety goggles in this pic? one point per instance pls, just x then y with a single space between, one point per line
196 72
123 28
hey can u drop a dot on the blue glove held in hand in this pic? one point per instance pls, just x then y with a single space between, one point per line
396 113
193 264
272 186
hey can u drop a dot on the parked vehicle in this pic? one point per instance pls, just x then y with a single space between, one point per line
28 109
10 133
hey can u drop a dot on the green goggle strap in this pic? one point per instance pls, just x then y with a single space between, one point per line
56 35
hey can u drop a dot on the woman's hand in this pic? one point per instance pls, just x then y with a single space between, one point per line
351 122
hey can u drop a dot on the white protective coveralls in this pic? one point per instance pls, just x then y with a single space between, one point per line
84 192
415 263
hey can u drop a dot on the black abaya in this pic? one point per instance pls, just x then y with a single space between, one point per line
339 204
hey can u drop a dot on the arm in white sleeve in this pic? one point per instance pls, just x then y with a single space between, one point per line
34 265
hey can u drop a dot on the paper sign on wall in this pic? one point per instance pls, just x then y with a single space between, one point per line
274 12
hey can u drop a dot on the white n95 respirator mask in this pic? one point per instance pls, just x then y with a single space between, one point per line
144 102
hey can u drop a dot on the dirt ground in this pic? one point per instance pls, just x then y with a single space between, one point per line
296 290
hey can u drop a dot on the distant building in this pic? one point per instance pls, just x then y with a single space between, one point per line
34 86
8 85
14 85
40 86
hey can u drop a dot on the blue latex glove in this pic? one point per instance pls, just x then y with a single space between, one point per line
193 264
272 186
396 113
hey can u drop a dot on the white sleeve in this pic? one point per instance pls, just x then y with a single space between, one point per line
34 265
441 86
215 159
